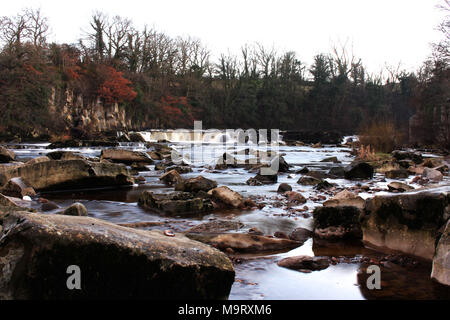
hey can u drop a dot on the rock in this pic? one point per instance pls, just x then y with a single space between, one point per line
295 197
49 206
432 174
18 188
283 166
69 174
261 179
226 161
37 160
407 155
144 264
76 209
256 231
303 170
228 197
244 242
136 137
398 186
174 203
300 235
331 159
6 155
358 170
336 172
305 263
283 187
327 219
65 155
13 203
280 235
345 198
155 155
216 226
179 169
125 156
196 184
308 181
408 223
171 178
397 174
441 259
139 166
324 184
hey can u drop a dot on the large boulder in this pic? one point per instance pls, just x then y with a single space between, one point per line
115 262
171 177
261 179
125 156
337 222
407 222
55 175
65 155
397 174
6 155
358 170
432 174
175 203
441 260
76 209
244 242
308 181
228 197
345 198
416 157
196 184
37 160
17 187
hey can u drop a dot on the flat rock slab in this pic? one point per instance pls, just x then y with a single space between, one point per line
115 261
243 242
441 260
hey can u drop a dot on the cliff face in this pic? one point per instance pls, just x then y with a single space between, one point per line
90 116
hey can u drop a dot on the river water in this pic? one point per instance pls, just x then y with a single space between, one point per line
258 276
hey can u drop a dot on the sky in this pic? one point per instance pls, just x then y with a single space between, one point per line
380 32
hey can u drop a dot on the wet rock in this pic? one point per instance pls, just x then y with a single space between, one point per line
308 181
261 179
179 169
228 197
13 203
336 172
17 187
407 155
244 242
282 165
139 166
432 174
216 226
328 219
171 178
143 264
37 160
136 137
155 155
300 235
6 155
441 259
125 156
226 161
408 223
65 174
345 198
76 209
280 235
49 206
323 185
305 263
283 187
295 197
398 186
255 231
303 170
174 203
65 155
397 174
331 159
359 170
196 184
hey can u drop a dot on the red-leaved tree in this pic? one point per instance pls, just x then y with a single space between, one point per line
114 87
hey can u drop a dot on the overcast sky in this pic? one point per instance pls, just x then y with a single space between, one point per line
380 31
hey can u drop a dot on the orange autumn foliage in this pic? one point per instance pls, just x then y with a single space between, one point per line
177 111
114 87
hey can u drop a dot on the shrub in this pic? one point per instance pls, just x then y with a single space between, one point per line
380 136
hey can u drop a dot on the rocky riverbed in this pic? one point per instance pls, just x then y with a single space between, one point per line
308 232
